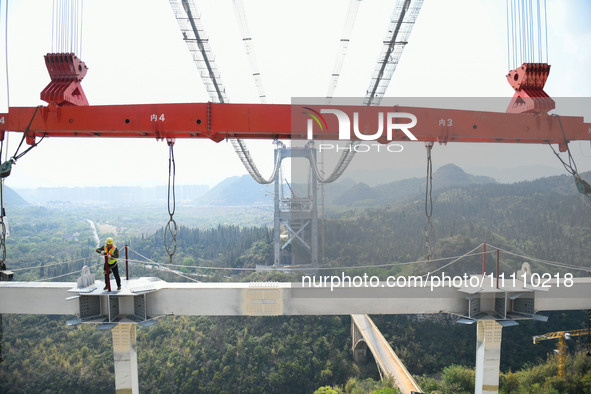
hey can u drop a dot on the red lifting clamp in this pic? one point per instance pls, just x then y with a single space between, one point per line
66 72
528 82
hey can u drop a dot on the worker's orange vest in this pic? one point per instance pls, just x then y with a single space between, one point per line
111 261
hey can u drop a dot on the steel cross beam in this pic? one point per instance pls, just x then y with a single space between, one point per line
295 235
283 121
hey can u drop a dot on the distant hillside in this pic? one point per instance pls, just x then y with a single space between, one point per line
547 218
238 191
11 197
501 175
447 176
115 195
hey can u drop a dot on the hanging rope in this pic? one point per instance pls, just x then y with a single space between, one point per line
66 27
171 229
2 215
571 167
527 32
5 169
6 54
429 203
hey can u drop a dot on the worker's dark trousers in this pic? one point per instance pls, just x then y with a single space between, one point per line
115 270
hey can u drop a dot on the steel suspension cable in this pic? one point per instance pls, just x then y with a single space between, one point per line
344 46
348 154
401 24
249 49
193 33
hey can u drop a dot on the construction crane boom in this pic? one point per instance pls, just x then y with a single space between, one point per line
560 334
561 349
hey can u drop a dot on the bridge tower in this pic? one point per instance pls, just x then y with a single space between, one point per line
296 210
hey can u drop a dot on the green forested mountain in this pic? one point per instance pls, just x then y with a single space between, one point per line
363 195
546 218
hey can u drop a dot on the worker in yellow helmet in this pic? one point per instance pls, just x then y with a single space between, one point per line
112 253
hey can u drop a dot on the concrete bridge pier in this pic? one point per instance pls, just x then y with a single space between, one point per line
125 357
488 356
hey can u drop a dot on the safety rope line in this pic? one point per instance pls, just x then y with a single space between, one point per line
167 269
429 203
571 167
295 269
51 265
94 266
542 261
194 266
170 232
454 261
150 261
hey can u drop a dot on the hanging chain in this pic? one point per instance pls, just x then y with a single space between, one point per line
429 203
171 228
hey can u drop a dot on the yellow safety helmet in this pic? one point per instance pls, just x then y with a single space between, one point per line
109 241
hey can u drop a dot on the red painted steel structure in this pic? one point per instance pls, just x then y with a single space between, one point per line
526 120
107 275
483 259
66 71
279 121
126 263
497 268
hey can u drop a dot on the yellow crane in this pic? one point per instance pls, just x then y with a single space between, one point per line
561 348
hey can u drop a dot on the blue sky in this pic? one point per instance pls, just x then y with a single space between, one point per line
135 54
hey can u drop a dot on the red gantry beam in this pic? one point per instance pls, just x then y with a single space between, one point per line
276 121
